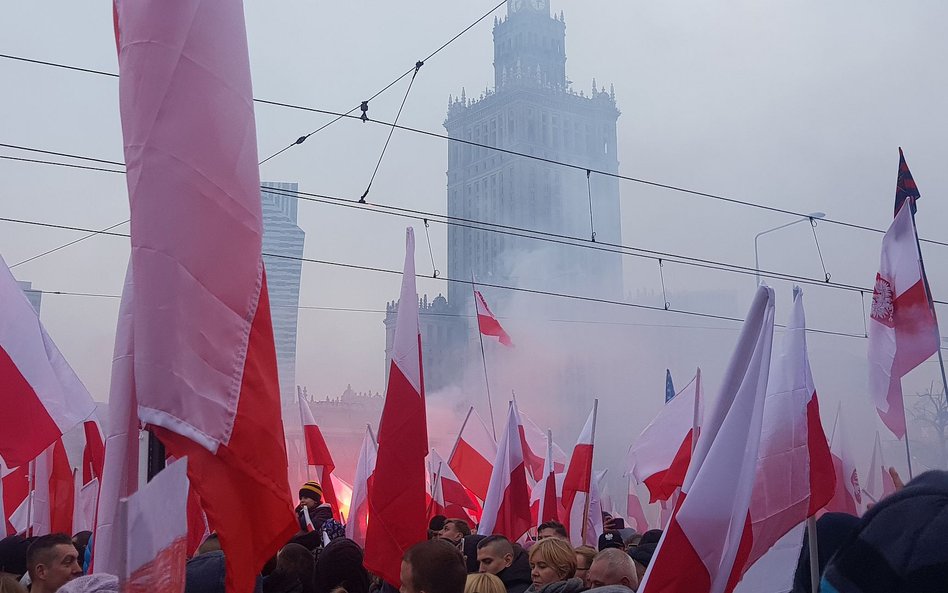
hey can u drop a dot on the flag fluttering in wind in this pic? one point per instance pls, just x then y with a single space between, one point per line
577 484
795 477
635 514
487 323
397 505
706 543
669 386
659 457
40 392
549 502
903 332
534 445
204 371
53 492
93 455
473 456
318 456
449 496
879 482
905 188
507 506
358 518
15 486
847 497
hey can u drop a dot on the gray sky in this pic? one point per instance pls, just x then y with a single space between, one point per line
799 105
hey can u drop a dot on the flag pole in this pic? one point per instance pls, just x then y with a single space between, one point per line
31 485
458 440
588 494
480 337
814 553
368 427
694 420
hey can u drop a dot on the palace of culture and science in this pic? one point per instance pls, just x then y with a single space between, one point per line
532 109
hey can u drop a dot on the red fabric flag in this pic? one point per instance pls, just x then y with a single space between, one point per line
879 482
93 455
487 323
15 486
507 506
534 444
318 455
549 509
205 369
473 456
905 188
450 497
359 505
847 497
397 506
576 484
53 492
707 541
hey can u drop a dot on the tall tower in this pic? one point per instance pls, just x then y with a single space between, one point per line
283 237
533 109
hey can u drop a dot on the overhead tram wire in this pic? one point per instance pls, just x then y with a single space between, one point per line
657 184
533 234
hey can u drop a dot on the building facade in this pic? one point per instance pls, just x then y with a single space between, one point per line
283 240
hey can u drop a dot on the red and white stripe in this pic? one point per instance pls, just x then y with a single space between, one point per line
879 482
449 496
53 492
507 505
93 454
847 497
473 455
318 456
359 506
707 540
548 499
533 440
903 331
487 323
40 392
577 484
635 514
660 456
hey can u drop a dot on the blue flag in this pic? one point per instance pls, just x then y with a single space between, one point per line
669 386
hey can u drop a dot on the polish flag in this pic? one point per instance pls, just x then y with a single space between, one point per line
358 519
708 539
576 484
533 442
879 483
487 323
847 497
549 502
15 486
204 362
397 505
156 529
473 454
318 455
198 529
93 455
795 475
635 514
903 331
87 495
40 389
660 455
53 492
507 506
538 492
450 497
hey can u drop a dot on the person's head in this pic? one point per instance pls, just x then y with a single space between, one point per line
454 530
551 560
484 582
8 584
211 544
611 539
295 560
311 495
494 553
433 566
584 558
552 529
651 536
52 561
13 555
641 556
436 523
81 541
340 565
612 566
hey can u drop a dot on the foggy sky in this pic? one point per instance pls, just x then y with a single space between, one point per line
799 105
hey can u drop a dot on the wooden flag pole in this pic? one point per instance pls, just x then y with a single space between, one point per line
814 554
480 337
458 440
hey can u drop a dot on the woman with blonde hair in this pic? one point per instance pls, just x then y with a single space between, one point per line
553 567
484 582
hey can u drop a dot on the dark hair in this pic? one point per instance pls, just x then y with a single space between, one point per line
38 552
340 565
294 562
503 544
436 567
556 526
437 523
651 536
461 525
13 554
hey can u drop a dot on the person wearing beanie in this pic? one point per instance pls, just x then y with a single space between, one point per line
642 555
311 501
899 544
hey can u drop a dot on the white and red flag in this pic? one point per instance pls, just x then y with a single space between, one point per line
635 514
795 475
903 331
707 541
660 456
93 455
86 497
40 392
204 368
548 500
449 496
487 323
533 442
358 519
53 492
847 497
15 486
156 532
473 455
577 483
397 505
507 506
318 456
879 482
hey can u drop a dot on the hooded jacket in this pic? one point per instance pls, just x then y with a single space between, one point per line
516 577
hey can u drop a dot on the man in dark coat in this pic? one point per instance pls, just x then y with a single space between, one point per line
508 561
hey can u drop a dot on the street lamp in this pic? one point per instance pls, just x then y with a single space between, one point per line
811 217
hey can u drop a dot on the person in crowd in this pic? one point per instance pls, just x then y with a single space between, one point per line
651 536
92 583
340 566
81 541
294 573
483 582
454 530
433 566
612 567
205 572
468 549
611 539
13 555
435 525
52 561
641 556
898 545
553 567
498 556
552 529
584 559
311 499
8 584
832 529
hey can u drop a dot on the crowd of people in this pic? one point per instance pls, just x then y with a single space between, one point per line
898 545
